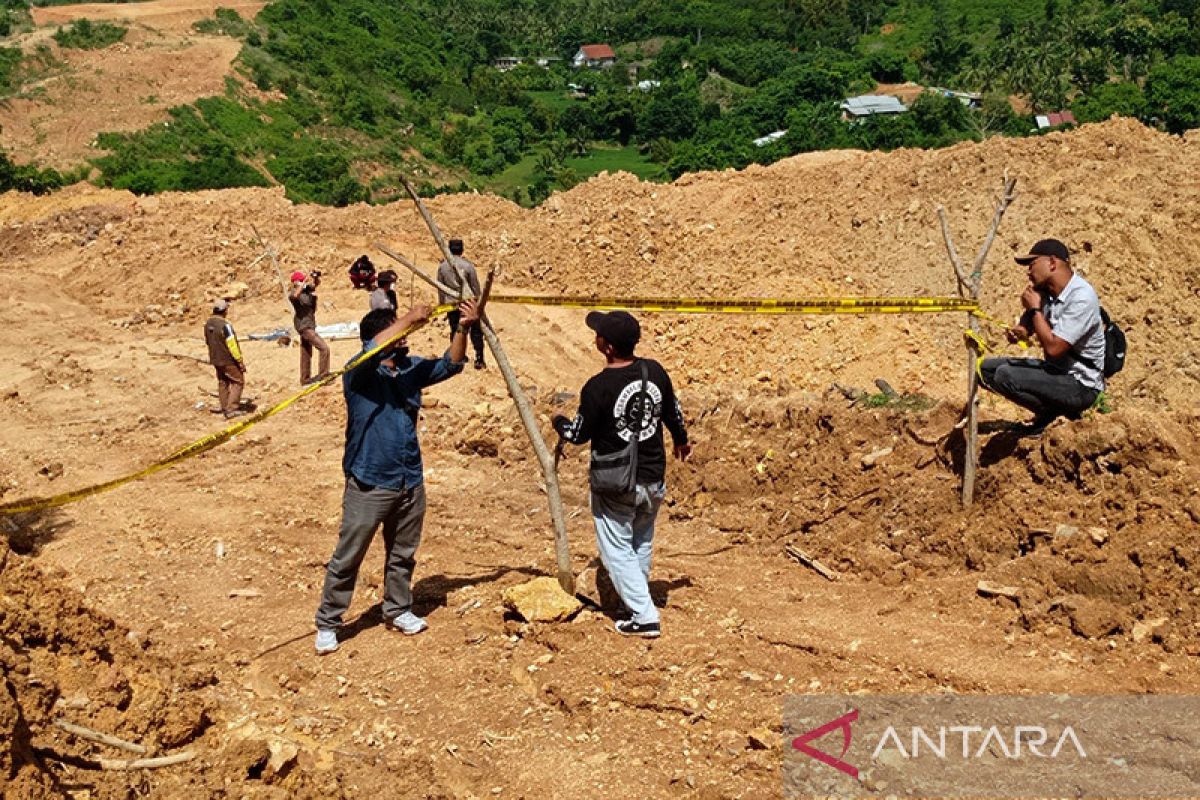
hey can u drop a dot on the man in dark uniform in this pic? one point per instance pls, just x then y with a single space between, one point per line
304 302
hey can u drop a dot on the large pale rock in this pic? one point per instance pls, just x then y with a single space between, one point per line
541 600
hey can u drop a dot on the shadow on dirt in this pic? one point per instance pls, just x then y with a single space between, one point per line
1003 440
999 447
609 602
28 533
429 594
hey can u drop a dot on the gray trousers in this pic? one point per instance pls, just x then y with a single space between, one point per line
401 512
625 539
1031 383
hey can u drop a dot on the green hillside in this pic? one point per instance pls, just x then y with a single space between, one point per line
365 90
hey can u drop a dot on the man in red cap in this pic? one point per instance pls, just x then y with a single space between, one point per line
1062 312
630 397
304 302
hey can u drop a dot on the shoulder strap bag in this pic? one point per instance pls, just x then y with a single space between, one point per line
616 473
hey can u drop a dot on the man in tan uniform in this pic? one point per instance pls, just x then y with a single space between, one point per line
225 355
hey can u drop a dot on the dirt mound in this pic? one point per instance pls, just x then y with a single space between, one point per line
175 16
1096 524
1086 536
61 659
860 225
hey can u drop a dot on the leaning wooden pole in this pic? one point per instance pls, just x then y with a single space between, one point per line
274 256
969 286
562 552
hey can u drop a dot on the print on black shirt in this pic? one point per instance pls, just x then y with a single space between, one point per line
629 412
612 406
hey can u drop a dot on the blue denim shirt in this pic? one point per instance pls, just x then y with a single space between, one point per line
382 404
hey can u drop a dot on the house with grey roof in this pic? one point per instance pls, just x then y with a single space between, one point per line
868 105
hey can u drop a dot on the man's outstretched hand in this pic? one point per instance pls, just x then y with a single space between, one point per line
682 451
469 313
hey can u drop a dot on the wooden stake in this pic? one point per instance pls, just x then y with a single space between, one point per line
970 286
413 268
562 552
117 763
98 737
810 562
275 262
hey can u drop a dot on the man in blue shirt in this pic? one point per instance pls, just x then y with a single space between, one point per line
382 463
1062 312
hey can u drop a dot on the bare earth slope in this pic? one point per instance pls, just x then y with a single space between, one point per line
128 86
214 566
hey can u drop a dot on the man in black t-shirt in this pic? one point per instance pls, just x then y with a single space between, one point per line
614 406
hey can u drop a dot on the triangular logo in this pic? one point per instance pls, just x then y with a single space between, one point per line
843 722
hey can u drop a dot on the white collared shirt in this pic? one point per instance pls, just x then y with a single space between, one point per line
1074 316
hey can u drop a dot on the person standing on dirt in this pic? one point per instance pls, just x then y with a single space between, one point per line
304 302
225 354
630 397
385 295
1062 312
382 463
447 275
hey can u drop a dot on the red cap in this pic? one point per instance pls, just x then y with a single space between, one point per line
297 276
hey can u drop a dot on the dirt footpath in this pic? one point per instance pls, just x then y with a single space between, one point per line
177 612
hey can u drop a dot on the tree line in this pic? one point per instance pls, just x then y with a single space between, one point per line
351 93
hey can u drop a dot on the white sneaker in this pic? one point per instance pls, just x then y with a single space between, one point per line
409 624
326 641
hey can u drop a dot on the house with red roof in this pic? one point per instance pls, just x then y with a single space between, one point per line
1055 119
594 56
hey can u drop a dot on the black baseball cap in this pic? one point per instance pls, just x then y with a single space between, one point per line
387 276
619 328
1046 247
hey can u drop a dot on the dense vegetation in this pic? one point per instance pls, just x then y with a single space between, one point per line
343 95
87 35
28 178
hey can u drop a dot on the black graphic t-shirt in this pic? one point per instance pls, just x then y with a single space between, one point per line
612 406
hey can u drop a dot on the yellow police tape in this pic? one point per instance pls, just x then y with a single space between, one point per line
729 305
805 305
207 443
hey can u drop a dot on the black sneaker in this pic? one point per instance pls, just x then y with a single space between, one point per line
647 630
479 364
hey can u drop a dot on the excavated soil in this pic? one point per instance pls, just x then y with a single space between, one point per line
181 607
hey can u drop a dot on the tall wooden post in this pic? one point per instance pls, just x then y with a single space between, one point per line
566 576
969 286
